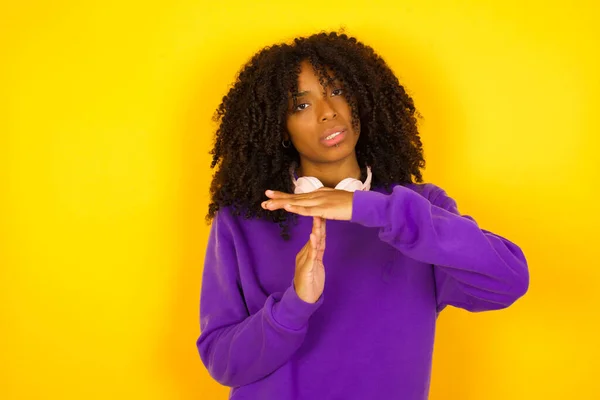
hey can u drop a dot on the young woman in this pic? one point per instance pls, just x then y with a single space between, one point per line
316 149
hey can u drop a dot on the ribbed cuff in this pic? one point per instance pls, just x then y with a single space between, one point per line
292 312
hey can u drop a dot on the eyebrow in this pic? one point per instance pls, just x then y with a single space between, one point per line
329 80
300 94
305 92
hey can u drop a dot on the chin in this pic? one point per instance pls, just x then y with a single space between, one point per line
339 154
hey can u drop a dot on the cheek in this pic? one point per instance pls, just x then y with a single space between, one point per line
300 129
292 128
348 115
345 110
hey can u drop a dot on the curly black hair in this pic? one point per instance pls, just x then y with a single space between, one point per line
252 122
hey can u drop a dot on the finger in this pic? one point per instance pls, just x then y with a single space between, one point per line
317 223
316 230
321 248
320 254
313 246
273 194
277 204
305 211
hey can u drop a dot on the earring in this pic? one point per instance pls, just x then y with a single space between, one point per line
288 145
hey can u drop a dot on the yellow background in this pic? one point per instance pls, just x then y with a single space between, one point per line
104 136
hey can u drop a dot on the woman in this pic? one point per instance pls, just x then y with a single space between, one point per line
317 148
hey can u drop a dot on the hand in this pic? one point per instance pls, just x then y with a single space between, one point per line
309 278
326 203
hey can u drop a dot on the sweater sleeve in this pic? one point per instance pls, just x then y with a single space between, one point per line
474 269
238 348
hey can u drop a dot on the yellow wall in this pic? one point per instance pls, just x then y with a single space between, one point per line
104 135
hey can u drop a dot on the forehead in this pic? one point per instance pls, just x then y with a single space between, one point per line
308 75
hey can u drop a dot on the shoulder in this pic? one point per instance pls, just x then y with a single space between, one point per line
237 225
435 194
226 222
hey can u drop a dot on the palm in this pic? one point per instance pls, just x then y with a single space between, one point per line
310 271
318 268
318 276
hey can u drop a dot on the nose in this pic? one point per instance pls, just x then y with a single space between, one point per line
326 111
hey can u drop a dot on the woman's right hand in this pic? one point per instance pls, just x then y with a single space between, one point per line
309 278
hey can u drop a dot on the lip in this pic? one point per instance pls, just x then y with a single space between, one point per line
335 129
336 140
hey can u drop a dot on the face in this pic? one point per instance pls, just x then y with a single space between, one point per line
319 124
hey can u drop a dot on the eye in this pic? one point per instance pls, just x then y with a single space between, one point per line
337 92
301 107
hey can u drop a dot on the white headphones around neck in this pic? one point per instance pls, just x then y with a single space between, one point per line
307 184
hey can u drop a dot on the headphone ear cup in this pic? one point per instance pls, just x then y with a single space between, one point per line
315 182
307 184
350 184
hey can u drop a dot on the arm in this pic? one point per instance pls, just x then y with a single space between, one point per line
238 348
474 269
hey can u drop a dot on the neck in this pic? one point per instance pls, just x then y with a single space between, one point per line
330 174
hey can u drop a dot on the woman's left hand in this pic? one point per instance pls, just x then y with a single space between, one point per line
325 203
